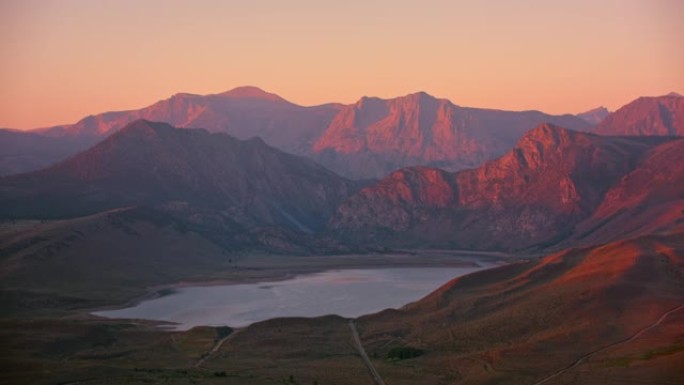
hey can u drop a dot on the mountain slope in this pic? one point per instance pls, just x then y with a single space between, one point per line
534 195
649 199
242 182
243 112
367 139
106 256
594 116
661 115
375 136
22 151
520 323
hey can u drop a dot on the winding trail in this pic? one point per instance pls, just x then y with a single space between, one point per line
625 341
357 341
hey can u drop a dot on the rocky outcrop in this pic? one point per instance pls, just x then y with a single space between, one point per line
374 136
534 195
647 116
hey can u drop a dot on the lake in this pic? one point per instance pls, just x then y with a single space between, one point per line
348 293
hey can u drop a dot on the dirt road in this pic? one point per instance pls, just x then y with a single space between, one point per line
357 340
625 341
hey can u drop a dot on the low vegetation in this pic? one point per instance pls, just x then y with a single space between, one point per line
404 353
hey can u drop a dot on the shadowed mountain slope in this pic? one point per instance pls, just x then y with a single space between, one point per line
649 199
22 151
245 182
109 255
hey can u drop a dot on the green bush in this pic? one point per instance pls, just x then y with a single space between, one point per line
222 332
403 353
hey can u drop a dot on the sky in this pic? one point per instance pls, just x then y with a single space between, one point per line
62 60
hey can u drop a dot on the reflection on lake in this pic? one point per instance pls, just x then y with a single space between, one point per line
349 293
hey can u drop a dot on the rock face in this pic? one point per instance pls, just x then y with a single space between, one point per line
375 136
647 116
535 194
594 116
648 199
246 183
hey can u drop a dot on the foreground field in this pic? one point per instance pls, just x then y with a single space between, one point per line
610 314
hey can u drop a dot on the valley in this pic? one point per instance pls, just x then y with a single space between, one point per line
341 193
504 325
581 235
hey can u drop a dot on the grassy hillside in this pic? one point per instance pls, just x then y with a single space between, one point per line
516 324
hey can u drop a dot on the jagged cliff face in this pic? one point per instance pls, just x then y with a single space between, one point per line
535 194
648 199
416 126
396 203
374 136
647 116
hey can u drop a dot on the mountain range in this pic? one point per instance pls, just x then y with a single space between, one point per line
367 139
211 181
151 204
555 187
555 184
243 112
374 136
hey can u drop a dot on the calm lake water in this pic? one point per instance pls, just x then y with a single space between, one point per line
348 293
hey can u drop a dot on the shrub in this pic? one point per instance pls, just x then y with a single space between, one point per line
222 332
403 353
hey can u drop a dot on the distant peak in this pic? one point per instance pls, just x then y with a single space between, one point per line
675 94
420 95
547 128
257 141
594 116
185 95
547 131
251 92
368 102
596 110
544 138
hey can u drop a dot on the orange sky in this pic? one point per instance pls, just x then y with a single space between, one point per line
62 60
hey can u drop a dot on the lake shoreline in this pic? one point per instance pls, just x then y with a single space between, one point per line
264 270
